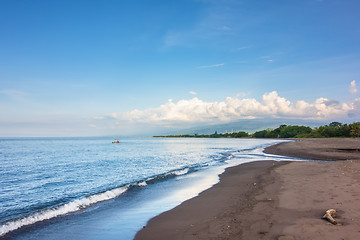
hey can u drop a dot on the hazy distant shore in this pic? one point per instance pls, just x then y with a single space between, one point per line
274 200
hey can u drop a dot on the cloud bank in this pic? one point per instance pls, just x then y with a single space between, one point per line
195 110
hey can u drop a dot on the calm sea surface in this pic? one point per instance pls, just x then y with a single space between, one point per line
47 182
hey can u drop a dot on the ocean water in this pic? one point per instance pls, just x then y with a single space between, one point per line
91 188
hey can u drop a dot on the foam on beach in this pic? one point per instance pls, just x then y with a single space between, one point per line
181 172
61 210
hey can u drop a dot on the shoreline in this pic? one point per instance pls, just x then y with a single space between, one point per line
274 200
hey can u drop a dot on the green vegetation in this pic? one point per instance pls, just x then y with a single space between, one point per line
334 129
284 131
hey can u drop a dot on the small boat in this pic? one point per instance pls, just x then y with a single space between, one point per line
117 141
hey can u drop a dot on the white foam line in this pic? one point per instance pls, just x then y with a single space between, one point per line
142 184
61 210
181 172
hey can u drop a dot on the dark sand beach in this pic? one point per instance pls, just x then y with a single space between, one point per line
274 200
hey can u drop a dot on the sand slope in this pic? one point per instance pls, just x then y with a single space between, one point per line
307 190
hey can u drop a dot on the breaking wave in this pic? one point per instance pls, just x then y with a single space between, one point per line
83 203
70 207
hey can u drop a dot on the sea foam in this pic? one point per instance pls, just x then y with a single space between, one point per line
181 172
70 207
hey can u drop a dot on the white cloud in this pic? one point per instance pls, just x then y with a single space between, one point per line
193 93
242 48
195 110
352 87
355 111
212 66
225 28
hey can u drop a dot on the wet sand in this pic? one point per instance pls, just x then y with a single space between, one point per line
274 200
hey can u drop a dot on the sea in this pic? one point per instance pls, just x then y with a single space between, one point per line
92 188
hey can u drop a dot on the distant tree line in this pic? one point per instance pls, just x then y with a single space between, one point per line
240 134
334 129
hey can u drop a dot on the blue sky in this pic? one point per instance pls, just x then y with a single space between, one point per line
80 68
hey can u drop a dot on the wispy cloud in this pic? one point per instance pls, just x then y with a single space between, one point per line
14 95
192 92
353 88
225 28
267 58
212 66
217 21
242 48
173 39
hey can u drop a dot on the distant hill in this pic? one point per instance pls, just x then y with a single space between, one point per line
246 125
